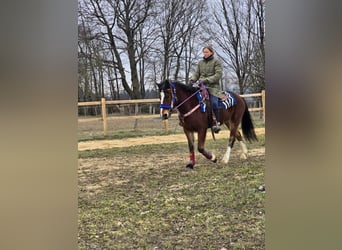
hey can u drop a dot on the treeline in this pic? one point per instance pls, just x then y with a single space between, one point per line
126 46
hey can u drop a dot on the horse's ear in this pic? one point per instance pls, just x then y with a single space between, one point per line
159 85
163 84
166 83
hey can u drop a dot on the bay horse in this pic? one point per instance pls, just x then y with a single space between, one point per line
194 117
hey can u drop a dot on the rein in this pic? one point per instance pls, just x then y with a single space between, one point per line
185 99
173 87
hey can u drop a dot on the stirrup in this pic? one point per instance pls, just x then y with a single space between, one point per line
216 128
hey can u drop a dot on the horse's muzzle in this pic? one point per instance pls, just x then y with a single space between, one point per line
165 116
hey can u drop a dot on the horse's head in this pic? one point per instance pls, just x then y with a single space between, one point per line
166 99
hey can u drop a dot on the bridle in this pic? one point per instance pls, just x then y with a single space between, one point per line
174 99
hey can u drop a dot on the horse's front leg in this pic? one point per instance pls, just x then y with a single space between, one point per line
201 142
191 140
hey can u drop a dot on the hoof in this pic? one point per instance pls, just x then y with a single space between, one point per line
216 129
243 156
214 159
225 161
190 166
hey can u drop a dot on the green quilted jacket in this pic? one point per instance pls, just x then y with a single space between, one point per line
209 69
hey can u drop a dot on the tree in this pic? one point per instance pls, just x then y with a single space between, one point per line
177 25
119 23
126 46
131 15
95 64
258 61
240 39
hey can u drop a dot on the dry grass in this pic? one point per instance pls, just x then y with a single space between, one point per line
142 197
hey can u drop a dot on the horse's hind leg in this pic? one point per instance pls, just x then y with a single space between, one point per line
242 144
232 136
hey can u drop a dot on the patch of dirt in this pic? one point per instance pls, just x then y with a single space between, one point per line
103 144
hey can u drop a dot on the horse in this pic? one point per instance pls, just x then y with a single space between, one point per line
195 117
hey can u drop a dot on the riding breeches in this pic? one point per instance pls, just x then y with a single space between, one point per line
214 101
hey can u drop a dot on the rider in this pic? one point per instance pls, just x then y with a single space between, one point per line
209 72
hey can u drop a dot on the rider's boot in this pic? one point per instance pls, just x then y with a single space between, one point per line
216 128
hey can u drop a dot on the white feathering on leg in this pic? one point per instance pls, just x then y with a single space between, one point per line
213 157
244 150
227 155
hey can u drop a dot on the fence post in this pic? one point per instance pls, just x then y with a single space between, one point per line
263 98
136 109
104 115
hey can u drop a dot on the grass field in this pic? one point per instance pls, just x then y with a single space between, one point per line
142 197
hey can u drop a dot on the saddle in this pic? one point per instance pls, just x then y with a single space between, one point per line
225 101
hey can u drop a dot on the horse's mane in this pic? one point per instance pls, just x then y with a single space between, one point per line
187 88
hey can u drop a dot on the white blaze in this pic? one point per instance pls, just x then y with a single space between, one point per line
162 95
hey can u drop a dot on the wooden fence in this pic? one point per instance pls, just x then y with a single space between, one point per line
103 103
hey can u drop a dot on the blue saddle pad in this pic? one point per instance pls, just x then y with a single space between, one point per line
229 102
201 101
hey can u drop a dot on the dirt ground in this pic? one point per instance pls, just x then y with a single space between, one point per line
104 144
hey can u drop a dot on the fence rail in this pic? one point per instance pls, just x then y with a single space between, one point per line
103 103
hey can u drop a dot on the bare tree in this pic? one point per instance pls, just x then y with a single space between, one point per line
177 24
236 35
131 15
119 23
86 69
188 31
125 46
258 61
95 65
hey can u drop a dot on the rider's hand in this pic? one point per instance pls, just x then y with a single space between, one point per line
205 82
194 84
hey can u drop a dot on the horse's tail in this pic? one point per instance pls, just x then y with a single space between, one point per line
247 125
